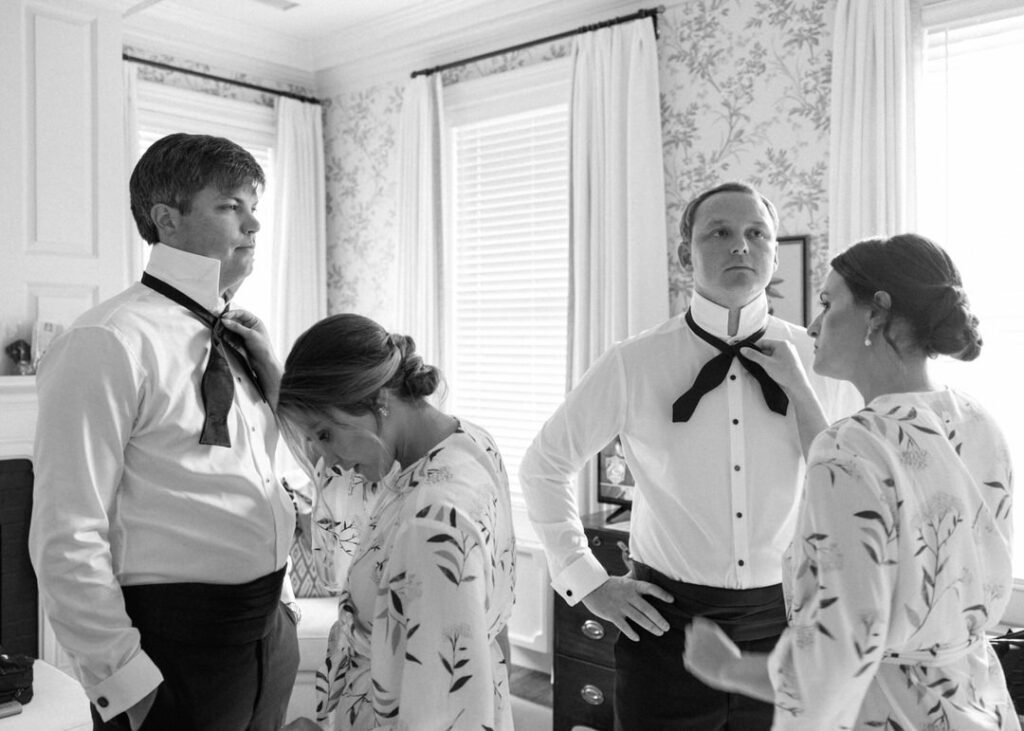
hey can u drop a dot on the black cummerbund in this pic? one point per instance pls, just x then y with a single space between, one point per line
202 614
744 614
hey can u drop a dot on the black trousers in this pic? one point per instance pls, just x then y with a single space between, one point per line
654 692
234 676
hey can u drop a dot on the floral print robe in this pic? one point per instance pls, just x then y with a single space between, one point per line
426 567
899 565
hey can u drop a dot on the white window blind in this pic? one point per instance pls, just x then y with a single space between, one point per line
508 239
163 110
971 153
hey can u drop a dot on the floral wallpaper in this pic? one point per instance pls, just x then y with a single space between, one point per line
745 95
360 132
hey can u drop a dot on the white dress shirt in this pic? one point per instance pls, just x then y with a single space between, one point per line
715 497
125 493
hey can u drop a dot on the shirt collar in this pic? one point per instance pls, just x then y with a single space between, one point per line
715 318
195 275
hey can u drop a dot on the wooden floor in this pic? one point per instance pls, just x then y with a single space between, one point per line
531 685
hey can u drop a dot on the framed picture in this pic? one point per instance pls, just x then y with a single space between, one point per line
788 298
614 481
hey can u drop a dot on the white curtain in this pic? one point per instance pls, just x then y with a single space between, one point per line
299 252
618 240
876 63
420 219
132 239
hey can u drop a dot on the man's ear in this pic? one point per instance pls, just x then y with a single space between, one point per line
683 252
166 219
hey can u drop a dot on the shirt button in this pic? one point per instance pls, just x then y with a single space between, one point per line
238 378
732 377
740 562
739 515
102 702
736 467
568 592
735 421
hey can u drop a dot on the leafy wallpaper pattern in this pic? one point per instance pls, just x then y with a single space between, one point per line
745 90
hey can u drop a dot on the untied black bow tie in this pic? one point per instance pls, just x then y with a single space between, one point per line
218 386
714 371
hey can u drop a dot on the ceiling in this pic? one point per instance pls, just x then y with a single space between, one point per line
303 19
331 45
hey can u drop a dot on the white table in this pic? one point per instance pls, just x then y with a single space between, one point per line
58 704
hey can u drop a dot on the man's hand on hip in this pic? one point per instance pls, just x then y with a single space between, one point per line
621 598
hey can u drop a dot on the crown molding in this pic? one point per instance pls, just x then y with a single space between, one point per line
386 50
185 33
402 43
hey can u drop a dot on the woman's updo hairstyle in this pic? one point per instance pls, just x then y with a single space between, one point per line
924 287
345 361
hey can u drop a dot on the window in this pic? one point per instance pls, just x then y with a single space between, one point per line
163 110
970 154
508 157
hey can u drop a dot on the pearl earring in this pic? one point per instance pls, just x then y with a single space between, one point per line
382 411
867 339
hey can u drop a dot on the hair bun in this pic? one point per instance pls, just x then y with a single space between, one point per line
954 329
418 379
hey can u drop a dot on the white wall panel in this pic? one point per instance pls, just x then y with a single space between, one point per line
62 64
63 192
60 303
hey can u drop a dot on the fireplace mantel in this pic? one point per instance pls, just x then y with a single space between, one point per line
18 409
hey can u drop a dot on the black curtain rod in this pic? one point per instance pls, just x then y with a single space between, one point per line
246 84
651 13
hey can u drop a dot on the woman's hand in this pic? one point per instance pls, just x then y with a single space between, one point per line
715 660
709 654
780 361
253 333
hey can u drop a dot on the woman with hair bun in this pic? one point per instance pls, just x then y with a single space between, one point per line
901 558
413 526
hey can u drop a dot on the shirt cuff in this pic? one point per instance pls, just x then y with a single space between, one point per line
287 588
132 682
579 578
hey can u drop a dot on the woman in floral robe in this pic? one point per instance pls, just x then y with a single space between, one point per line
900 562
414 527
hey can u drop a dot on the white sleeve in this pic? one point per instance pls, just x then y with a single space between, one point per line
590 417
844 569
88 388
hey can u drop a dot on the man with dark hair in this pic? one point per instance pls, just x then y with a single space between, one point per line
159 532
716 450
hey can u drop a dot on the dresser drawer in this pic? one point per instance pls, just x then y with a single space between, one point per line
580 634
605 545
585 695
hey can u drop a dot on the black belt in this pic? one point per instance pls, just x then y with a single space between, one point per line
744 614
201 614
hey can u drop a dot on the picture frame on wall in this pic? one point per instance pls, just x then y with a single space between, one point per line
788 295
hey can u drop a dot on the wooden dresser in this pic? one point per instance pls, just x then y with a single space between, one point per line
584 662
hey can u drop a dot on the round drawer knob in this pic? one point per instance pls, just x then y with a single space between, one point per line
592 630
595 541
592 694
